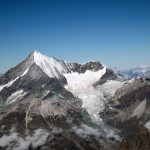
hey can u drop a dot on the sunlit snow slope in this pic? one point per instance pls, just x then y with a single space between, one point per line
81 85
51 66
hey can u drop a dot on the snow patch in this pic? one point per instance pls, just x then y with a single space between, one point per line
147 125
139 110
45 93
18 95
131 80
11 82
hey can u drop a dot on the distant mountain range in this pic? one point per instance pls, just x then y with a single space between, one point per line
140 71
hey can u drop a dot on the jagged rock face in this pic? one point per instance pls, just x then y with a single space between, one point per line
34 82
17 71
94 66
136 91
131 113
109 75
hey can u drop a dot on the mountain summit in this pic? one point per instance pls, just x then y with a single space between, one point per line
38 71
46 103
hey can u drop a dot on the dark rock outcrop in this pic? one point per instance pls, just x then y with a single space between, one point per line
81 68
109 75
140 141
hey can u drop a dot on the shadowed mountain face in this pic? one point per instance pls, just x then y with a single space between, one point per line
46 103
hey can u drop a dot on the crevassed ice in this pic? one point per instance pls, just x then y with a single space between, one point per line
81 85
78 82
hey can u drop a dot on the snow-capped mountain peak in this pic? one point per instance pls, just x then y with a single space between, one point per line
50 65
55 68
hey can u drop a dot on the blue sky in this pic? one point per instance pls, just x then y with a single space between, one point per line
115 32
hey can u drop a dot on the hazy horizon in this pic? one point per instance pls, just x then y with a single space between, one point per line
112 67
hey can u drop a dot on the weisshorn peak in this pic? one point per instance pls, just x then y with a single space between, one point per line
47 103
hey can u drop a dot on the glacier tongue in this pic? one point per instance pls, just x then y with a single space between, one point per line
81 85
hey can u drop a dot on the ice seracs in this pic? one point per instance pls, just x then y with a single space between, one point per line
81 85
